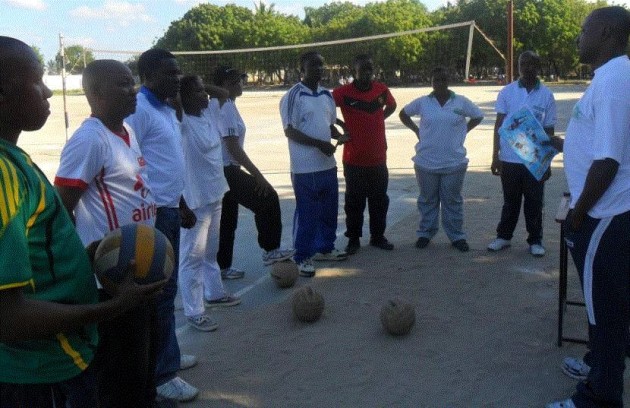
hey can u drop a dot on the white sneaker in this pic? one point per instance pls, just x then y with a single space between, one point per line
187 361
568 403
203 323
575 368
232 273
177 389
334 255
499 244
537 250
277 255
306 268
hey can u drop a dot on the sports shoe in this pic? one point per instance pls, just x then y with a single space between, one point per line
232 273
382 243
177 389
567 403
225 301
277 255
422 242
187 361
537 250
202 323
575 368
354 244
306 268
499 244
334 255
461 245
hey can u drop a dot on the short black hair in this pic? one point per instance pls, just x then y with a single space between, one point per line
619 20
306 57
361 58
440 69
150 60
91 80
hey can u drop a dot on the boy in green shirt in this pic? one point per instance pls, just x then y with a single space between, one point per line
47 292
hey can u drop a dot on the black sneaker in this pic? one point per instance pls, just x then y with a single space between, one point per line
422 242
382 243
461 244
354 244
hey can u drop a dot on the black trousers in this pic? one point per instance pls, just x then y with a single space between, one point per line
266 211
601 253
520 186
366 184
126 357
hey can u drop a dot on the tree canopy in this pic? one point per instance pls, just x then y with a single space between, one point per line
548 27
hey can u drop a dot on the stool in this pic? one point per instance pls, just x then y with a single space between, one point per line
562 290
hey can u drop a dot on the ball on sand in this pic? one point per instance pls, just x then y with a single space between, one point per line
150 249
398 317
308 305
284 273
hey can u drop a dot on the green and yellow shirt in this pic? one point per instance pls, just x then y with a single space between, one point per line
41 253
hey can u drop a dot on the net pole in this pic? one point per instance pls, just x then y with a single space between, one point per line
62 52
471 32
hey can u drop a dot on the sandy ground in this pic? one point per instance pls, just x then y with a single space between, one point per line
485 334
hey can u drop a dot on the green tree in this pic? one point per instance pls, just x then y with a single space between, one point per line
77 57
38 53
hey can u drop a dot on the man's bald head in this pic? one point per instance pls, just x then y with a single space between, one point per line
618 19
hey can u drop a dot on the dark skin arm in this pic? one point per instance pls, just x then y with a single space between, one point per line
408 122
189 219
22 318
496 166
70 197
389 109
600 176
327 148
263 187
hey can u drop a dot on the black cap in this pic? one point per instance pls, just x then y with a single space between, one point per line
225 73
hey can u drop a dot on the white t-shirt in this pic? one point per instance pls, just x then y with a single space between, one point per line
159 137
442 130
204 179
513 97
230 124
311 113
600 128
112 173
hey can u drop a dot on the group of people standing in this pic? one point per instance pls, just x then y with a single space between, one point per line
168 156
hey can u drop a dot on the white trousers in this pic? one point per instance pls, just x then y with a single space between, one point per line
199 273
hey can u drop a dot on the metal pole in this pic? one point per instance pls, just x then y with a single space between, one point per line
509 74
62 52
469 50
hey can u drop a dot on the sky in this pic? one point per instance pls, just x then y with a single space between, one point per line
132 25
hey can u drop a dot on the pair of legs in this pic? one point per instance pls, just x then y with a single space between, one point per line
125 358
601 253
199 273
366 184
76 392
266 211
519 185
315 218
167 221
441 190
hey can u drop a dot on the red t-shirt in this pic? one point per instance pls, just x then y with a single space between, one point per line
363 114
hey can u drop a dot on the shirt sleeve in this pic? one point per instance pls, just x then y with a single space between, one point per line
286 110
82 158
471 110
413 108
15 266
612 127
550 112
501 106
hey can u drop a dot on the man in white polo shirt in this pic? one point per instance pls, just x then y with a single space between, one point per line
518 184
597 166
101 182
158 133
308 116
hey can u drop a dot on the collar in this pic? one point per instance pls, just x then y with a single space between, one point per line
153 100
319 91
536 85
610 64
451 94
